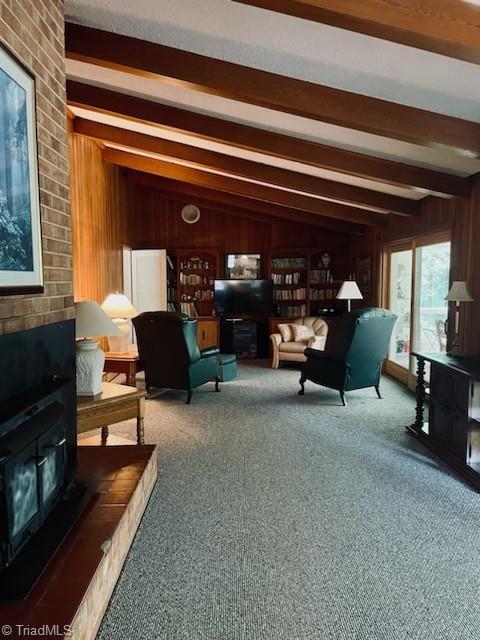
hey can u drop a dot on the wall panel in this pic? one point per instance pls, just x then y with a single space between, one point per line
100 202
158 224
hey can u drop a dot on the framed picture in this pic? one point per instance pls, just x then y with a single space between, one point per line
20 232
243 266
365 275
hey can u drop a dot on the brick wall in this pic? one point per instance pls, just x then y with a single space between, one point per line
34 31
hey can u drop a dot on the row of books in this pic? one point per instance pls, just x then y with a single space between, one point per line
296 311
287 278
188 308
290 294
320 276
322 294
288 263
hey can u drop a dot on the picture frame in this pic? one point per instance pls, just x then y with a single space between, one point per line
243 266
21 266
364 275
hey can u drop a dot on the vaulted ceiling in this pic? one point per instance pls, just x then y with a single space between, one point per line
293 106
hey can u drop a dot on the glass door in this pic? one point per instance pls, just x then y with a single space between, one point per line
416 286
400 302
432 273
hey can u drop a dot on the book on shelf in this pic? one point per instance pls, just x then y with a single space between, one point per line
287 278
188 308
289 263
320 276
290 294
296 311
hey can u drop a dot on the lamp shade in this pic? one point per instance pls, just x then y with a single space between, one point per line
117 305
349 291
91 321
459 292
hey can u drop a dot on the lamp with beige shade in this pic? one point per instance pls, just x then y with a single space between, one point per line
118 307
90 322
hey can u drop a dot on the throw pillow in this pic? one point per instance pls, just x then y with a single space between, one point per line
285 332
301 333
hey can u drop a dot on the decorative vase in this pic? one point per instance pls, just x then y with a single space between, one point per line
90 361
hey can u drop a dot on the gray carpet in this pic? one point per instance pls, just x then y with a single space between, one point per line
279 517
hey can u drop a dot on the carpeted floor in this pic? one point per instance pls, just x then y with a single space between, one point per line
279 517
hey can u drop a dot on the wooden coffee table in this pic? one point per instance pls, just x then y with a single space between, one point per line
127 363
116 403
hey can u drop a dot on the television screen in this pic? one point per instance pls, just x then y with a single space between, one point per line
243 297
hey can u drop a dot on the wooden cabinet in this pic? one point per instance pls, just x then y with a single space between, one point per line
207 333
453 428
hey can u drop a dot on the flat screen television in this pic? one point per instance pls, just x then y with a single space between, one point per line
243 297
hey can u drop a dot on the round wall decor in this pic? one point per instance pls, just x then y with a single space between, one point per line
190 213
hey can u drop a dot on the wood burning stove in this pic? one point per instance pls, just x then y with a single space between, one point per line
39 499
33 465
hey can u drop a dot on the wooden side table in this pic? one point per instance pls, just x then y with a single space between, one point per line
116 403
127 363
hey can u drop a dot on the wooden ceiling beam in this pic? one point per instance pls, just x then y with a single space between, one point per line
241 187
261 141
273 91
450 27
205 159
243 206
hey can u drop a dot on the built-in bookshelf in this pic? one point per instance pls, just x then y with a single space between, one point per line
303 284
323 288
196 273
289 274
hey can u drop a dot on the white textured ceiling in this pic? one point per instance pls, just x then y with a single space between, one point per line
324 133
292 47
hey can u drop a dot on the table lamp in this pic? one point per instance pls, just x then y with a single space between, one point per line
90 321
458 293
118 307
349 291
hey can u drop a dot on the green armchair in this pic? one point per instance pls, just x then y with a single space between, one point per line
168 349
354 353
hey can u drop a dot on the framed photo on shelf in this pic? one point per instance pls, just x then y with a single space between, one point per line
243 266
20 230
364 270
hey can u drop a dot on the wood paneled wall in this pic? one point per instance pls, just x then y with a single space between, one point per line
158 224
461 217
101 201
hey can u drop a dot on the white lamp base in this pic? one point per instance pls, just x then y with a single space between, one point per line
90 361
120 343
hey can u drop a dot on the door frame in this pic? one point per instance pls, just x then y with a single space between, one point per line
408 376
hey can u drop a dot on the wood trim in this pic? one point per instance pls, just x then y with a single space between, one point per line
242 136
241 187
240 205
205 159
451 28
273 91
